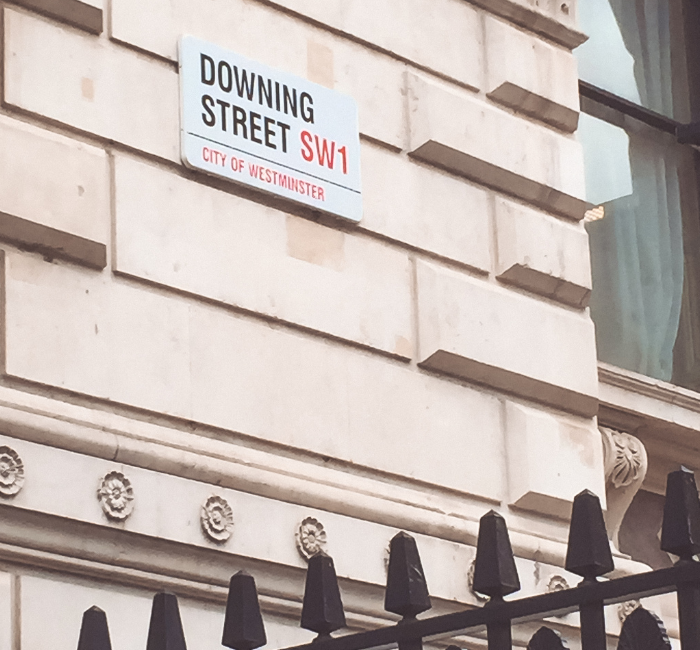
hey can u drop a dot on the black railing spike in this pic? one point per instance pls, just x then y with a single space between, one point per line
680 531
588 597
243 623
546 639
165 630
495 574
322 611
643 630
588 554
94 632
406 589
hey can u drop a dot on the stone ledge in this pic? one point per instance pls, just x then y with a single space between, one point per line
562 291
536 78
665 417
73 12
561 29
470 137
54 194
542 254
512 383
467 329
500 179
209 459
633 402
550 460
52 243
535 106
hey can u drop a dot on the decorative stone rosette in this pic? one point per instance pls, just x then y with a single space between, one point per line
217 519
311 538
557 583
116 496
11 472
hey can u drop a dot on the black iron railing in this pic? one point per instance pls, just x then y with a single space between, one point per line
495 575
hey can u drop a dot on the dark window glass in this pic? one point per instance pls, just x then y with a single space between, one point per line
644 228
636 50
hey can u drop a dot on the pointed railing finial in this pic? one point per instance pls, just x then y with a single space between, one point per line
406 589
165 630
94 632
680 531
243 624
495 574
643 630
322 611
588 554
546 639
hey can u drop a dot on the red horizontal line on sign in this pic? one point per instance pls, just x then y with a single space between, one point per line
274 162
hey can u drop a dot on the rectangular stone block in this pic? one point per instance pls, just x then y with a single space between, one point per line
84 15
550 460
443 35
432 211
542 254
54 194
91 84
469 137
91 334
553 19
490 335
183 235
374 80
535 77
74 329
294 390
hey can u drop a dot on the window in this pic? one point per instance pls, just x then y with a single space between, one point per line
638 86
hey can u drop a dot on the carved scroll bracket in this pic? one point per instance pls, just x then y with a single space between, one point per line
625 468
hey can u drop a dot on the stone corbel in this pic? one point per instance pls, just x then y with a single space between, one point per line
626 464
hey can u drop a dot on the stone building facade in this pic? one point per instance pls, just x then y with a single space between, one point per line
198 377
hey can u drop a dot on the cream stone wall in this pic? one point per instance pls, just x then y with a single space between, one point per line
409 372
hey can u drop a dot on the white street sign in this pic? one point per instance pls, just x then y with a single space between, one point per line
255 125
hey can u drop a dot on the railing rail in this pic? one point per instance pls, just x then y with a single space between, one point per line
558 603
495 575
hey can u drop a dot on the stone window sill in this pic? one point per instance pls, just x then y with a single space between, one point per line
666 418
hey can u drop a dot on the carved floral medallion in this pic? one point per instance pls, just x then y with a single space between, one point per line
557 583
311 538
217 519
11 472
116 496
